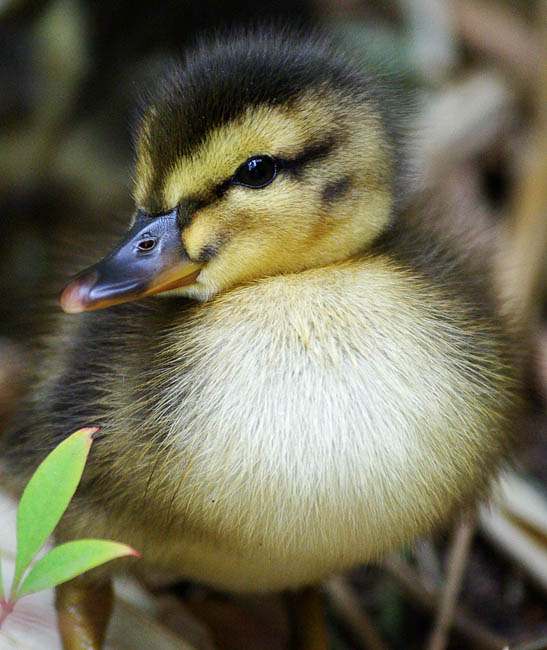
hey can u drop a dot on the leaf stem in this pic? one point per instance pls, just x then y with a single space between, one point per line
12 591
6 608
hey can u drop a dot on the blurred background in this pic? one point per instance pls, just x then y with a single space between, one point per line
70 75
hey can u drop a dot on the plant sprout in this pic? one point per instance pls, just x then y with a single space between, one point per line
43 503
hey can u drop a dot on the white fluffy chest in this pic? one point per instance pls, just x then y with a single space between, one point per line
314 432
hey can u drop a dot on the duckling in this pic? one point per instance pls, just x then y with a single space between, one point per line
292 375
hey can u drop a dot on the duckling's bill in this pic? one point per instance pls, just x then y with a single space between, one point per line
150 260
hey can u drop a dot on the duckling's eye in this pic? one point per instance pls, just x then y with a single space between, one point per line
256 172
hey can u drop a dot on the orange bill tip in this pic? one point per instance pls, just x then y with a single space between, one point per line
73 299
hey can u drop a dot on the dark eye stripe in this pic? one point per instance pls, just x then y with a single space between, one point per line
312 152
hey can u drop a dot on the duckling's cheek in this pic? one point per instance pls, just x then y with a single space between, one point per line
203 237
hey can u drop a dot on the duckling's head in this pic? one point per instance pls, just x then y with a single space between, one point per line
263 154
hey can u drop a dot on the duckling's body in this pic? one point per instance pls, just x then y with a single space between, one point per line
329 383
290 428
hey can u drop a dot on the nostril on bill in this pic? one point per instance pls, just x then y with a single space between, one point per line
146 245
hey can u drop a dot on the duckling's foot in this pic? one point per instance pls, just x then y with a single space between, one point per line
307 619
83 612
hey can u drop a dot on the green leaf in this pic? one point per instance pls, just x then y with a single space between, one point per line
47 496
69 560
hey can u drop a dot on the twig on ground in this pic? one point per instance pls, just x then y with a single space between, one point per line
428 561
347 606
522 271
426 596
517 524
457 561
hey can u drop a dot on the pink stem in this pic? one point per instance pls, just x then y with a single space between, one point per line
6 608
